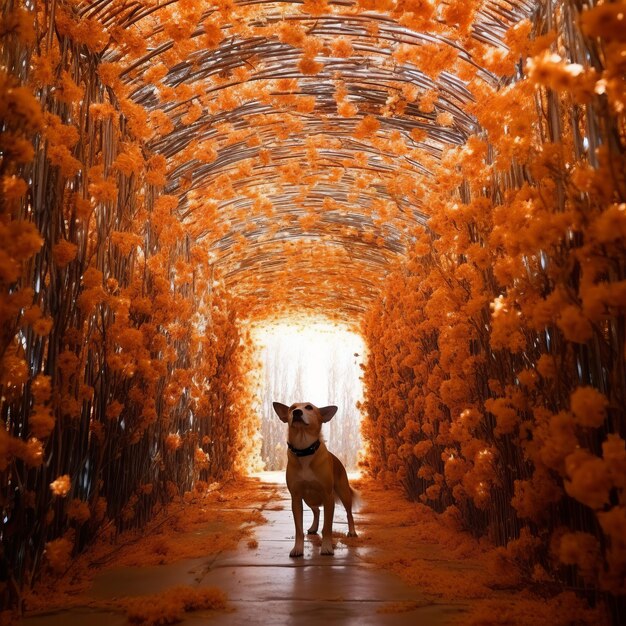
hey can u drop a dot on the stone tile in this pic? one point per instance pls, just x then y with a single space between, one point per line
346 613
135 581
317 583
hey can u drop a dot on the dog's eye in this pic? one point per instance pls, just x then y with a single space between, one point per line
308 407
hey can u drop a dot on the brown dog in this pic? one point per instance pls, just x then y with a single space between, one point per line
313 473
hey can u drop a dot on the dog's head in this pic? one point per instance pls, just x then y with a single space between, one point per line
304 415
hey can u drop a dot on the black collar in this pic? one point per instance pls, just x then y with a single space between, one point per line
312 449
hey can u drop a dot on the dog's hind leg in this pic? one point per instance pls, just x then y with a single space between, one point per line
351 529
316 521
327 529
344 493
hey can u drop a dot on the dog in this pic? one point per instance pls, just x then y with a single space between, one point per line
313 473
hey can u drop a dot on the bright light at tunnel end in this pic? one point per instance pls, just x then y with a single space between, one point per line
309 360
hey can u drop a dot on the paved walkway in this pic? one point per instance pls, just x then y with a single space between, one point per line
265 586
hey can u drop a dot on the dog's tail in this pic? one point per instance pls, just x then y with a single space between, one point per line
356 500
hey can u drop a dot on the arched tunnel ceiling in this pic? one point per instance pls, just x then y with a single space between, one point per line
300 136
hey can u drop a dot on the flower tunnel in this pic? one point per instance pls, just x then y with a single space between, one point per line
445 178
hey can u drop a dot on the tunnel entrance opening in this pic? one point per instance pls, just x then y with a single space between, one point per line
309 361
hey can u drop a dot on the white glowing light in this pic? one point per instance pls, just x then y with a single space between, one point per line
315 362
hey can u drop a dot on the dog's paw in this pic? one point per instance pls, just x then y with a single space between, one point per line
327 549
351 534
296 552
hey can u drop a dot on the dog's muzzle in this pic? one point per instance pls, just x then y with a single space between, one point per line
297 416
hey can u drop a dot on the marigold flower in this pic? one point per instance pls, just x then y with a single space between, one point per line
78 511
580 549
92 278
61 156
445 119
213 35
67 362
532 497
13 190
64 252
590 481
574 325
506 416
61 486
614 455
68 91
606 20
342 48
42 326
292 34
201 458
14 371
546 366
41 388
173 442
589 406
114 410
41 421
309 66
367 127
18 148
157 169
59 554
610 225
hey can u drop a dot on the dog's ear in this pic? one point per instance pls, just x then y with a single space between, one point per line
281 410
328 412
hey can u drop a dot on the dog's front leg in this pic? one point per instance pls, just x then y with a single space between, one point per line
327 530
297 509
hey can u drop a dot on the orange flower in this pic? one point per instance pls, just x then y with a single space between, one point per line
41 421
78 511
342 48
59 554
61 486
505 414
606 20
574 325
64 252
41 388
173 442
13 190
589 406
114 410
32 453
580 549
590 481
63 159
367 127
309 66
213 35
42 326
614 455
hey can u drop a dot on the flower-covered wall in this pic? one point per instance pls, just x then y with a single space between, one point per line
496 378
121 357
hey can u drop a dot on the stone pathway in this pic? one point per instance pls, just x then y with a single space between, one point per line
265 586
